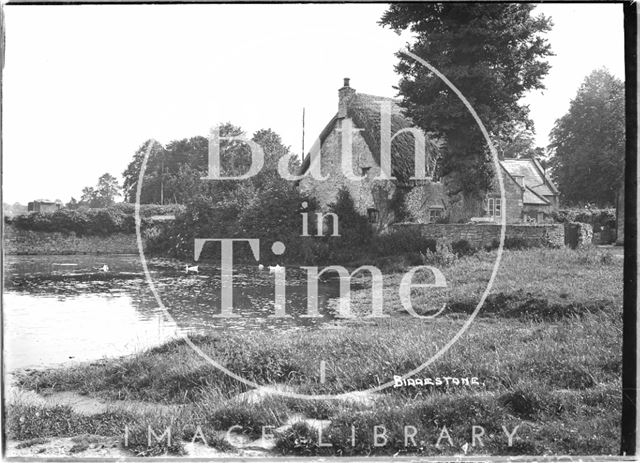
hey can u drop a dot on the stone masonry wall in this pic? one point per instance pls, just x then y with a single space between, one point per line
325 191
484 234
578 235
18 241
462 209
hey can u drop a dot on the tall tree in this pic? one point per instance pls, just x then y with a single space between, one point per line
107 190
518 142
588 142
493 53
103 195
152 179
174 173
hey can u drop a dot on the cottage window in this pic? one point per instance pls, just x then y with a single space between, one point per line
434 215
373 215
494 207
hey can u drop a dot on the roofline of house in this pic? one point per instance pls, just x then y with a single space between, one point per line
545 178
323 136
544 175
543 199
510 176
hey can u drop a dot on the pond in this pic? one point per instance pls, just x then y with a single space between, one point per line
60 309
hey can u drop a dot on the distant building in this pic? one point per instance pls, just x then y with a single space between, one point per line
540 196
43 205
530 194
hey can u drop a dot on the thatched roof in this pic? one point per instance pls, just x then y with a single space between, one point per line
364 110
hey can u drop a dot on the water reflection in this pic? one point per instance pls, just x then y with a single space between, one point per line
64 308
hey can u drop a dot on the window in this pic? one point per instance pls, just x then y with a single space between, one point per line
494 207
434 215
365 170
373 215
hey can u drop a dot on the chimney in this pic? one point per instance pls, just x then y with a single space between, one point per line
344 97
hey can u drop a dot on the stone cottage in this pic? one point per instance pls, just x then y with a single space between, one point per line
44 205
540 196
360 125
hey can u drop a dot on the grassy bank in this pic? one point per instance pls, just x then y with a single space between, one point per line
546 350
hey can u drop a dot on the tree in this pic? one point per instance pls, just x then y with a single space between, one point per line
151 187
588 143
88 197
174 173
107 190
493 53
518 142
103 195
72 204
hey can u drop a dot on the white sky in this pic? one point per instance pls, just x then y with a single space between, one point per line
85 86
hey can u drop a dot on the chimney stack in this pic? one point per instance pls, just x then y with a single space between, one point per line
344 97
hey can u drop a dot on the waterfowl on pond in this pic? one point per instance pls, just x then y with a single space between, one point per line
104 268
188 269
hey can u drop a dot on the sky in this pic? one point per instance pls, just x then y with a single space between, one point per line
85 85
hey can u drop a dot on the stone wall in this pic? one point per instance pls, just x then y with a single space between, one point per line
326 191
485 234
464 208
578 234
18 241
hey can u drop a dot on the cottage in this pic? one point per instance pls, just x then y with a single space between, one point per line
540 196
530 194
43 205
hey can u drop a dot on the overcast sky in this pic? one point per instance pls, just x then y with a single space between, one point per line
85 86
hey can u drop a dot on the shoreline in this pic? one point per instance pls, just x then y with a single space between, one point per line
508 348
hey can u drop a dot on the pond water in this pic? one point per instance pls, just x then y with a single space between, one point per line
60 309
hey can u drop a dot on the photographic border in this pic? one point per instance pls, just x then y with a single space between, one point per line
629 417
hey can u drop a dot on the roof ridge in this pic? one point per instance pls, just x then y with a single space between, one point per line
397 100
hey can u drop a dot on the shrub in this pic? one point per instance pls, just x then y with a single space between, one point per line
463 248
597 218
443 255
515 243
115 219
354 228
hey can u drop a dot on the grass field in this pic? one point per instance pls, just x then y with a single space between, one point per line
546 350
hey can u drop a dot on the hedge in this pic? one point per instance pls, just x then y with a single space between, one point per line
597 218
116 219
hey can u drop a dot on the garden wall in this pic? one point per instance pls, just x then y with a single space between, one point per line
486 234
17 241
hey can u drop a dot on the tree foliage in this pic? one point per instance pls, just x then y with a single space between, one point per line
174 173
588 142
493 53
519 143
102 195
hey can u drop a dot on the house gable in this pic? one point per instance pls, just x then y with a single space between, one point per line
325 191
